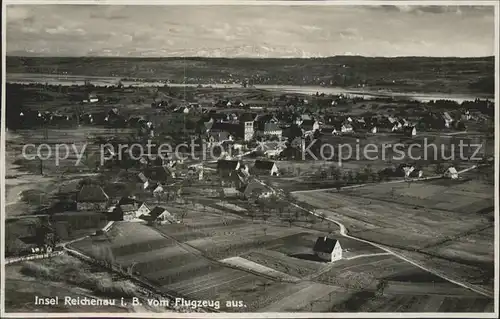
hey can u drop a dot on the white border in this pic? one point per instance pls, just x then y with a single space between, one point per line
494 314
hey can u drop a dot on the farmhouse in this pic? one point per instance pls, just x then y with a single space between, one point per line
160 215
92 197
128 212
447 119
217 138
265 168
346 128
90 98
254 190
328 249
309 126
227 167
416 173
451 172
410 131
160 174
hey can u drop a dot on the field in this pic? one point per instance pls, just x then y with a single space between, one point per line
444 225
259 252
66 276
217 255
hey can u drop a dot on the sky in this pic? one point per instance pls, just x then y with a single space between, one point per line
249 31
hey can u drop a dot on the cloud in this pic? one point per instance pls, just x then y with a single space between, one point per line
271 31
350 34
435 9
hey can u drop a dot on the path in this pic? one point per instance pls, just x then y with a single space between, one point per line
367 255
344 233
389 182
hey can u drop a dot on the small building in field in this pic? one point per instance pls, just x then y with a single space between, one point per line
90 98
253 190
451 172
328 249
410 131
266 168
416 173
228 167
92 197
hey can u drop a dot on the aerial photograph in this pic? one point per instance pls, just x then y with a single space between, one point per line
270 158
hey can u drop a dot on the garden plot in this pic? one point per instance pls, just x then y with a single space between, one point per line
301 299
247 264
296 267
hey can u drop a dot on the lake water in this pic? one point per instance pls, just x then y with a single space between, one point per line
68 80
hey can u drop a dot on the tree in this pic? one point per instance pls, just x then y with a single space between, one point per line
321 216
290 219
265 217
335 173
440 169
183 214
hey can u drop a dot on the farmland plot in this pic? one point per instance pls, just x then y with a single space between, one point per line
280 262
302 299
247 264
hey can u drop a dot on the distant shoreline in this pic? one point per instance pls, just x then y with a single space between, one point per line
99 81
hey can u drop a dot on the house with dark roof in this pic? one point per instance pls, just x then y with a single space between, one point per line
92 197
410 131
90 98
227 167
159 174
265 168
309 126
160 215
130 210
328 249
217 138
254 190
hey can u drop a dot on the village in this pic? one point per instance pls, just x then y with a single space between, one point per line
242 203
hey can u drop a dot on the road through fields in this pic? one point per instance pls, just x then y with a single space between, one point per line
344 233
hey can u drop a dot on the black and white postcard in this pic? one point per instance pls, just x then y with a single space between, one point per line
237 159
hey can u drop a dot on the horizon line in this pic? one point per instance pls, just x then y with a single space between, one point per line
250 57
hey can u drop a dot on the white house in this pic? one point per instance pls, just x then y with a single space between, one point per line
373 130
447 119
451 172
466 116
158 190
160 215
328 249
408 170
346 128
